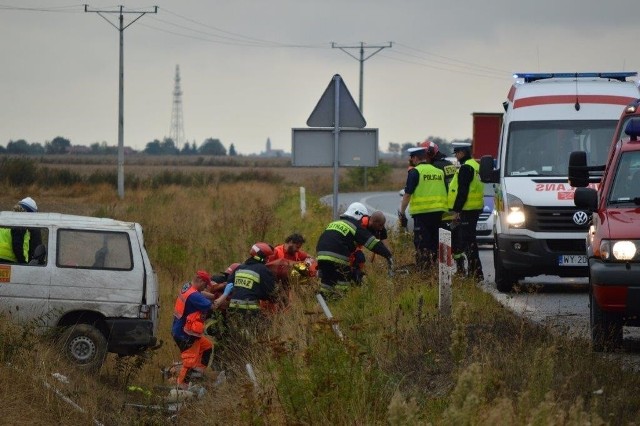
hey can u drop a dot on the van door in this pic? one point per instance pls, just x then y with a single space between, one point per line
24 287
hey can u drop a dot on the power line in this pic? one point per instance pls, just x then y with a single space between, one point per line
443 68
53 9
470 64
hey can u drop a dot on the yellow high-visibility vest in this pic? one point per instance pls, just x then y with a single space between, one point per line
431 193
475 197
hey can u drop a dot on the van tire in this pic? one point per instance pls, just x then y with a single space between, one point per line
504 279
84 345
606 328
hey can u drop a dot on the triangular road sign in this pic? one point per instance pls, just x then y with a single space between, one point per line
323 114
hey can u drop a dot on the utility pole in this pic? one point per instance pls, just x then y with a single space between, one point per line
362 58
121 29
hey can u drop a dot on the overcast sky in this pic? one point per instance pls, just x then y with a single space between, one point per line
253 69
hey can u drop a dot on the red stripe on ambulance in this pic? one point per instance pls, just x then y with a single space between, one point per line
571 99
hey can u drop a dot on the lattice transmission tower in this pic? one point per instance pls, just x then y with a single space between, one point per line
177 123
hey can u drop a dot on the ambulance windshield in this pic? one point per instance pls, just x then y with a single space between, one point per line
542 148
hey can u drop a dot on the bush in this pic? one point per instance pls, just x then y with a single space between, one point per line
18 171
375 175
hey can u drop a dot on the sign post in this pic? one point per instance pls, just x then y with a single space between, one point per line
336 137
445 269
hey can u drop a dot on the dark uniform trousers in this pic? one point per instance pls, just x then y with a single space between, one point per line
465 241
425 238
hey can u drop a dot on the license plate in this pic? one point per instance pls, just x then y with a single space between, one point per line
572 260
481 227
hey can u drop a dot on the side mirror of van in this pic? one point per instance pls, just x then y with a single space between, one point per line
487 173
578 172
586 198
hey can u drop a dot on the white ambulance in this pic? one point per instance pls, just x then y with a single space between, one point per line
537 228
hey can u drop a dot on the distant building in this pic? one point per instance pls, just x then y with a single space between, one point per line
273 152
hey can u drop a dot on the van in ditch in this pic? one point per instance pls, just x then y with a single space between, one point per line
538 230
91 277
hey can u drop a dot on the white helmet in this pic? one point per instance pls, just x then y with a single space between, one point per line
356 211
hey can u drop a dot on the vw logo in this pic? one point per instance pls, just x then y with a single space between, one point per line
580 218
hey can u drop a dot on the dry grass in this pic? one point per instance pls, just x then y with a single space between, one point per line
401 362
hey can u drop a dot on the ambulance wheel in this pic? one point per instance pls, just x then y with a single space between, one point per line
84 345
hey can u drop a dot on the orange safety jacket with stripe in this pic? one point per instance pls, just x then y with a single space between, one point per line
194 324
279 253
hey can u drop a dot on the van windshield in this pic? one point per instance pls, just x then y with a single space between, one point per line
542 148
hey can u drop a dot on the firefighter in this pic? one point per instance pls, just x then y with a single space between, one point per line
190 311
376 225
465 201
251 283
425 194
338 242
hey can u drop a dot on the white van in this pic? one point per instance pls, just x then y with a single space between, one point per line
538 230
90 276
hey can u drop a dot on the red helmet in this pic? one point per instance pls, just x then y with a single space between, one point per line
261 251
431 147
231 269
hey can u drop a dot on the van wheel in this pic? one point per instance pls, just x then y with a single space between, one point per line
504 279
606 328
84 345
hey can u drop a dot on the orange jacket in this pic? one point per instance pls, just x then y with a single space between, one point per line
194 324
279 253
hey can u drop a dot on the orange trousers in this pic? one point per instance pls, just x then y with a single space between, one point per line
193 357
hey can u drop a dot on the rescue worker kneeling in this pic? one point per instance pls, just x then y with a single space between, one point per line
337 243
251 283
190 312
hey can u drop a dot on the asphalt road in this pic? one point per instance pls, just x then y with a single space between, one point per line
559 303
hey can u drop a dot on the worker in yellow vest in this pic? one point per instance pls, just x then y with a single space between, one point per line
465 200
17 245
425 194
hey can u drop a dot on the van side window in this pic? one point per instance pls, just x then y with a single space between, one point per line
23 246
94 250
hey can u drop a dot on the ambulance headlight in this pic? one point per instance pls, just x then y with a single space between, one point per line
515 211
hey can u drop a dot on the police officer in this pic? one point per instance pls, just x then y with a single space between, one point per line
425 194
449 170
465 200
338 242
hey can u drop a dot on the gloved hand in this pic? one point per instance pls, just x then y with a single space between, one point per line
403 219
390 266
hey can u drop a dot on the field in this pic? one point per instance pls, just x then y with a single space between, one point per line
400 363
